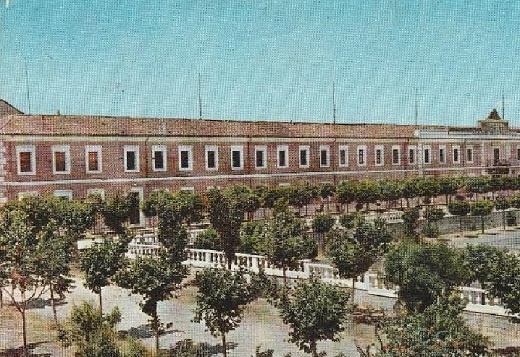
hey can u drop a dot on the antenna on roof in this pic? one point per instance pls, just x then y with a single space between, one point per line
27 87
503 107
416 114
200 101
333 104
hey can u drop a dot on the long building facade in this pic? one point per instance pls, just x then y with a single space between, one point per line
73 156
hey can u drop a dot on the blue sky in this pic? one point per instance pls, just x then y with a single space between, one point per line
264 59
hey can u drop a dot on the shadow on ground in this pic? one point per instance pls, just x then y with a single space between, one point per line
145 331
18 352
188 347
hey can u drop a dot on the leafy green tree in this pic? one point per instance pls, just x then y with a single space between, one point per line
323 223
116 211
411 224
208 239
315 312
155 279
437 332
459 208
432 215
221 299
481 208
478 185
345 193
390 191
253 239
409 190
326 191
367 191
501 204
349 220
448 186
425 272
92 333
100 263
428 187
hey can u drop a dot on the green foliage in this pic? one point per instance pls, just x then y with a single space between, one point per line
481 208
411 224
92 333
345 192
425 272
314 312
208 239
323 223
502 203
349 220
221 299
459 208
367 191
116 211
437 332
432 216
253 237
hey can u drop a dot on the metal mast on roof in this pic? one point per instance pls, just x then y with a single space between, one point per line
333 104
27 87
503 107
200 101
416 106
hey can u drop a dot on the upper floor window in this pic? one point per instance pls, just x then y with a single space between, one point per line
237 157
442 154
427 157
396 155
411 155
211 158
324 156
456 154
93 158
131 158
379 155
159 157
361 155
61 159
185 158
65 194
26 159
282 156
343 156
469 154
304 156
260 157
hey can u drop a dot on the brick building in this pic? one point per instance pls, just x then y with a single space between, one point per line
73 156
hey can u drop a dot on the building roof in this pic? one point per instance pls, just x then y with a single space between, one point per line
8 109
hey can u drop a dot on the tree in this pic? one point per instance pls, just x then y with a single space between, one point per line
345 193
353 254
424 272
432 215
116 211
253 239
501 204
411 224
327 190
314 312
92 333
481 208
366 191
221 299
449 186
439 331
207 239
459 208
323 223
390 191
101 261
226 214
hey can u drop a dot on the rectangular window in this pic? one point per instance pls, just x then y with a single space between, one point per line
411 156
396 155
260 157
379 156
26 159
343 156
456 154
185 158
131 158
211 158
159 157
427 155
96 192
282 156
324 156
518 153
237 157
65 194
93 159
442 154
469 154
61 159
304 156
361 155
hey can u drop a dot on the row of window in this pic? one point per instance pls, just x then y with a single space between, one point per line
61 160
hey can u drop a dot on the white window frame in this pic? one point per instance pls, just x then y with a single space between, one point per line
240 149
65 149
189 150
263 150
22 195
470 148
96 191
442 160
411 149
325 148
363 149
99 151
26 148
307 150
285 150
63 193
187 189
453 149
207 149
427 149
126 150
381 149
161 149
345 149
398 148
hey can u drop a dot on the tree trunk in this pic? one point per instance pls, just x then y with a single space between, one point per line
24 327
460 225
314 349
224 345
504 219
156 329
53 305
353 289
482 224
100 302
1 297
